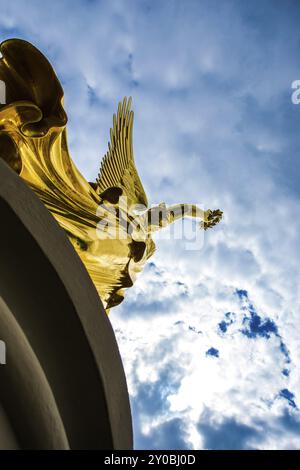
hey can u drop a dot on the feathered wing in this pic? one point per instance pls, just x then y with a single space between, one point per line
117 167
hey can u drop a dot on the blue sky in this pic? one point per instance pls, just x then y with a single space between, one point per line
209 338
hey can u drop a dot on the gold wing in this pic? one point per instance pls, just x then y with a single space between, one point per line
118 168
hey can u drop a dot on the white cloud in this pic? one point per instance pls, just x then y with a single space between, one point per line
214 124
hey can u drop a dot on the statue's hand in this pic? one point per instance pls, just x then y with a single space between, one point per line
211 218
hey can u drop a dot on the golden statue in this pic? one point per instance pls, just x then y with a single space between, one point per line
108 222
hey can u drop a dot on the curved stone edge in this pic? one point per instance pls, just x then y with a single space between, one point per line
93 321
33 409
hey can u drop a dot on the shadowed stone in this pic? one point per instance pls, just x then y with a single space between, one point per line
63 384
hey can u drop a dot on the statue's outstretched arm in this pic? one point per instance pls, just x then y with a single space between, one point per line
162 216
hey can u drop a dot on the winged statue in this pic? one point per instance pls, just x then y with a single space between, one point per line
109 221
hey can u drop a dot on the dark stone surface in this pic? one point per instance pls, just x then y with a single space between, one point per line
63 384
